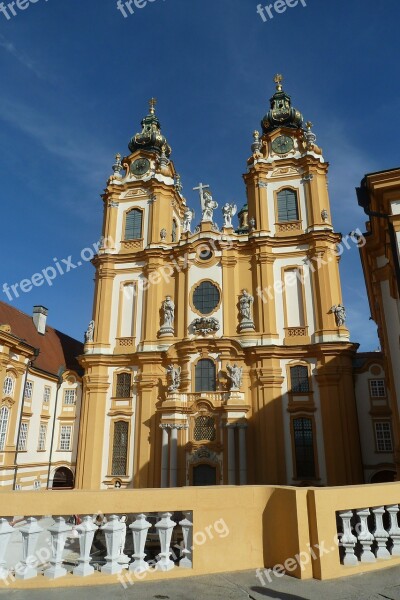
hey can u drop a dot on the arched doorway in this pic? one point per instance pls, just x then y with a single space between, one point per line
63 479
204 474
384 476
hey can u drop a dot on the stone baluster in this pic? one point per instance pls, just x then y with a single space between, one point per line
123 558
30 534
5 534
113 533
139 530
380 533
58 533
365 537
187 531
165 527
394 530
86 532
348 540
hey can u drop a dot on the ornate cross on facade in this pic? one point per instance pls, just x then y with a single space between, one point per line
201 187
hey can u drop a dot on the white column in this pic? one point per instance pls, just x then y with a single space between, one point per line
139 530
242 454
231 454
380 533
164 456
173 457
30 533
86 532
58 533
365 537
165 527
5 534
394 530
187 531
113 532
348 540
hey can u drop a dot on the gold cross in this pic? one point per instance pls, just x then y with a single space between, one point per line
152 104
278 80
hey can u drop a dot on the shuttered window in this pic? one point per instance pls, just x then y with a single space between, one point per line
287 206
133 225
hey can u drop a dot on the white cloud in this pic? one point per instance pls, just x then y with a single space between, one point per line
19 56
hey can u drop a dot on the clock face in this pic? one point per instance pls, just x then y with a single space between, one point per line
283 144
140 166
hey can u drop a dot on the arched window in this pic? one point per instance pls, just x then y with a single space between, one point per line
8 387
133 224
206 377
120 448
304 448
123 385
174 231
299 380
288 209
4 416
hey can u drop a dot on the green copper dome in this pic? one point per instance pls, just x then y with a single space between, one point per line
151 137
282 114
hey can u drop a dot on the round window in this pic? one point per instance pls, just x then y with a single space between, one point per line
206 297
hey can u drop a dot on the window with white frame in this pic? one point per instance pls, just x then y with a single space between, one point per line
8 387
4 416
70 397
23 437
28 390
65 437
383 436
46 394
42 437
378 388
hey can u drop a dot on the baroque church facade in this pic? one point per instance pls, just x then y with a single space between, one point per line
219 355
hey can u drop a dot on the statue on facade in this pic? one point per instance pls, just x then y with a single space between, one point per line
340 314
228 211
168 316
89 333
246 301
208 206
174 378
188 217
235 375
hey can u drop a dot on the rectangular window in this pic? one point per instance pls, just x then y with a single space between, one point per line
123 389
28 390
23 437
383 436
42 437
120 448
70 397
46 394
65 437
304 448
378 388
299 379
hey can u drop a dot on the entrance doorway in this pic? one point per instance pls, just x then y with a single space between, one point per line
204 475
63 479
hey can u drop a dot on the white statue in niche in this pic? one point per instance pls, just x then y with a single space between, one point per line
89 333
174 377
235 375
340 314
168 308
228 211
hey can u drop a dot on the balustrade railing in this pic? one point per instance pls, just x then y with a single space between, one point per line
369 534
54 548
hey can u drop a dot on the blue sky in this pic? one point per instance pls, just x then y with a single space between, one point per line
76 79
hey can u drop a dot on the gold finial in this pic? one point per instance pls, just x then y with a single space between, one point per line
118 156
278 80
152 104
309 125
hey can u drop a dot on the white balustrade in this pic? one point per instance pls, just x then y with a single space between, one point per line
380 533
30 534
139 530
187 532
348 540
394 531
365 537
123 558
58 533
113 534
86 531
5 534
165 527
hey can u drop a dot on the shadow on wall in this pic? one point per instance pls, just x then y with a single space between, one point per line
263 591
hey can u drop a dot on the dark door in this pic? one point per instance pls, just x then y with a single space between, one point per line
204 475
63 479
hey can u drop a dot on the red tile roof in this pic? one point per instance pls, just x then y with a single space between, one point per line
56 349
